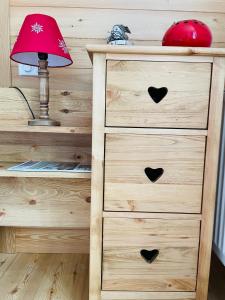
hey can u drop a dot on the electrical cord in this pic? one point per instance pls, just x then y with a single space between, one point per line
24 97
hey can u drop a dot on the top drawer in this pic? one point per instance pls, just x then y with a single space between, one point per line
157 94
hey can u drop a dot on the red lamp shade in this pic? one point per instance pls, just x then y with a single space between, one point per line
40 34
188 33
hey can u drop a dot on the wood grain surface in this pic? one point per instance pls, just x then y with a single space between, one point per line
115 295
179 189
41 202
128 103
52 240
44 276
186 5
174 269
210 176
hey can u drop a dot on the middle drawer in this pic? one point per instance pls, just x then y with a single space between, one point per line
154 173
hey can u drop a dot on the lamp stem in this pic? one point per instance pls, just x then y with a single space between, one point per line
43 73
44 89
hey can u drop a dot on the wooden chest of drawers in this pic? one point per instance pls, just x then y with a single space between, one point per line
156 131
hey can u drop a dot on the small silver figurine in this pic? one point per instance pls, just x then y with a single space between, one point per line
118 35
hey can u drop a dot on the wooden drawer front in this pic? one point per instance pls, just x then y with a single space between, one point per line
127 187
128 102
175 267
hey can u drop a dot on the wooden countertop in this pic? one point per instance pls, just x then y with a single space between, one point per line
156 50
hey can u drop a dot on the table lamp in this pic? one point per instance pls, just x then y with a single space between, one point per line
40 43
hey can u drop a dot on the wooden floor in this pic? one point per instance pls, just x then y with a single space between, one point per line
44 277
65 277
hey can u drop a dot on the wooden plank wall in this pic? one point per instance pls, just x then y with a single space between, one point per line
5 72
83 22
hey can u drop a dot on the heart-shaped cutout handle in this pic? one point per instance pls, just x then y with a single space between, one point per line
149 256
157 94
154 174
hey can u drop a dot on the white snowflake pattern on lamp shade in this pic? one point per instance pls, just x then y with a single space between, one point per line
36 28
62 45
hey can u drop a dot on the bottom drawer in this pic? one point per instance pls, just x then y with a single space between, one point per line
150 254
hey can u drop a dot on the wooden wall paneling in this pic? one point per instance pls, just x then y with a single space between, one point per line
5 73
52 240
33 138
81 26
210 178
95 23
60 79
7 237
35 152
41 202
97 180
7 240
70 107
85 25
186 5
78 52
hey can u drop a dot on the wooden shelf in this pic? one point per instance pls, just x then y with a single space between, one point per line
4 172
45 129
44 276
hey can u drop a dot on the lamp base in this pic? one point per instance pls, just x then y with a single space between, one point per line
43 122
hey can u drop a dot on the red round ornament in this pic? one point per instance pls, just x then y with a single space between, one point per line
188 33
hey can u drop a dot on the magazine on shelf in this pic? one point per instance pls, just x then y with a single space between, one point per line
49 166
